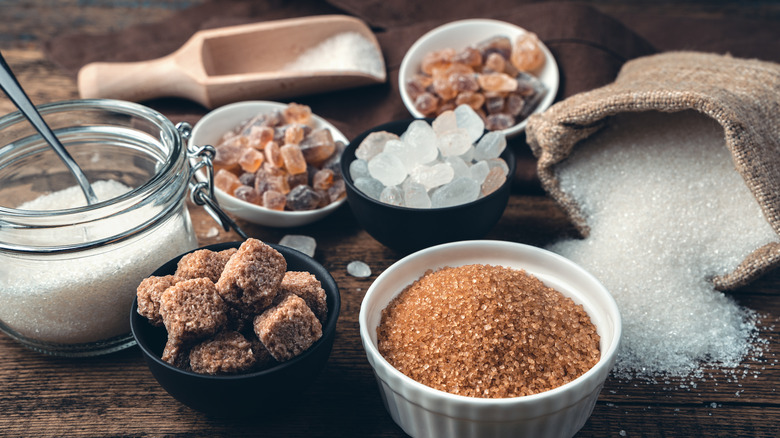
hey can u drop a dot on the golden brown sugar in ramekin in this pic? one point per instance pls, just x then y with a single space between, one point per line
487 331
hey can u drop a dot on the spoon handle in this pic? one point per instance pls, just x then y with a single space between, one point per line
16 93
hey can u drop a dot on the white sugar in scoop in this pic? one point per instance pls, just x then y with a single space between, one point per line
667 211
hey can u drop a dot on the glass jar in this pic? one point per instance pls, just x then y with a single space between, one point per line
69 272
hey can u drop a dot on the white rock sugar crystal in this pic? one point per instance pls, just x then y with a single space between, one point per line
84 298
411 169
358 169
460 191
392 195
304 244
491 145
422 139
358 269
467 119
347 51
667 211
387 168
369 186
433 176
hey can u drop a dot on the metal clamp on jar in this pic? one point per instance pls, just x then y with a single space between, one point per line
69 270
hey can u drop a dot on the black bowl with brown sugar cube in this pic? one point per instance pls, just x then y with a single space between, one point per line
237 328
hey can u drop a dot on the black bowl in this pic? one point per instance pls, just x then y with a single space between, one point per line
242 394
409 229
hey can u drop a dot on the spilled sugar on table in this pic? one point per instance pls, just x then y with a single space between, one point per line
115 395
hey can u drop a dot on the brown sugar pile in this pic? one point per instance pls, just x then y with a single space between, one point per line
487 331
234 311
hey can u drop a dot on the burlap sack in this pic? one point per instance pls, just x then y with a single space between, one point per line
743 96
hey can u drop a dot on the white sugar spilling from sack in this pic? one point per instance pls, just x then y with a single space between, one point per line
667 212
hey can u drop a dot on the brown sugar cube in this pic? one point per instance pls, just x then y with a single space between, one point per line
238 320
226 353
148 293
263 358
306 286
288 329
203 263
252 276
192 309
176 353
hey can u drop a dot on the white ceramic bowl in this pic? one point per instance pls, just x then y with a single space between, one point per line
461 34
423 411
210 129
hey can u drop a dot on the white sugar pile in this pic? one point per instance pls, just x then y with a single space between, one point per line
667 212
73 197
86 296
348 51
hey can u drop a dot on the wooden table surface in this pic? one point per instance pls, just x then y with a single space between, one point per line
116 395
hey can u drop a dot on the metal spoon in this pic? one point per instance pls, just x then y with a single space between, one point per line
11 87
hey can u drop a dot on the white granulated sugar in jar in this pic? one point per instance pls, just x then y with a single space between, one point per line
667 211
347 51
84 297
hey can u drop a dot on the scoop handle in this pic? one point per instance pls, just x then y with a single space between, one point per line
138 81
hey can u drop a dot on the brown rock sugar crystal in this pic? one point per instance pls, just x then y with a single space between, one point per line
487 331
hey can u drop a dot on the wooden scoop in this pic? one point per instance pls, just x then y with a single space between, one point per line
229 64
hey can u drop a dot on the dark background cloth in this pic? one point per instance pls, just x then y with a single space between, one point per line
589 47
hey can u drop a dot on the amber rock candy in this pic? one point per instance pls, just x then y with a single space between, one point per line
437 60
226 181
303 198
318 146
498 44
293 158
297 113
469 56
293 134
498 82
259 136
274 200
248 194
273 154
323 179
527 54
337 191
298 179
250 160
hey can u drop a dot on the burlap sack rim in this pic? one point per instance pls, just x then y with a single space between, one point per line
553 135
